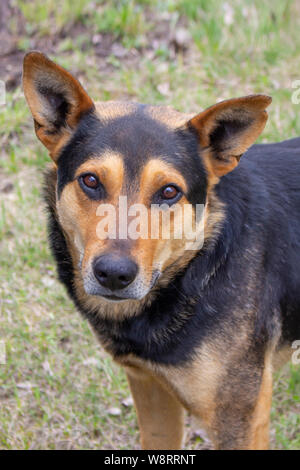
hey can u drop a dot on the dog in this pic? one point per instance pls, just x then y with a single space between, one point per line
200 328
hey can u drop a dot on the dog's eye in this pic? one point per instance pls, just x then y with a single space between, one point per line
91 185
169 192
90 180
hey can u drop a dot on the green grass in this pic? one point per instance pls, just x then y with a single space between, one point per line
124 19
43 17
58 386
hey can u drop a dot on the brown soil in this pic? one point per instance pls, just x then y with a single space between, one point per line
101 46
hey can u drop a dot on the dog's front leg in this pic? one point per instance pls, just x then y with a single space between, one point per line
242 413
160 415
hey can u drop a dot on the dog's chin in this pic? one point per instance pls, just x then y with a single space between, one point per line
110 297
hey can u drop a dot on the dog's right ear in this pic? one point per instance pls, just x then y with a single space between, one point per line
56 100
227 129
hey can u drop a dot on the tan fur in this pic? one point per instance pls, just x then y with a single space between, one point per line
168 116
261 416
160 415
109 110
196 386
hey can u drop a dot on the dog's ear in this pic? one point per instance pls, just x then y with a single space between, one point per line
227 129
56 100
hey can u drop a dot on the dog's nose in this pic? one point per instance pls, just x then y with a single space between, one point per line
114 272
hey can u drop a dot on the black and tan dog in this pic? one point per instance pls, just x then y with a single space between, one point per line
197 330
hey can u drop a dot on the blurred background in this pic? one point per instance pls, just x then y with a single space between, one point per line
58 390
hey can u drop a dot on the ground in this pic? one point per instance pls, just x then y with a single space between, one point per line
58 389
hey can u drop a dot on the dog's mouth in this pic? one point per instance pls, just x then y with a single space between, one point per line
114 298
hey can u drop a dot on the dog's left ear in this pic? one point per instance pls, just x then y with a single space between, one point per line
56 100
227 129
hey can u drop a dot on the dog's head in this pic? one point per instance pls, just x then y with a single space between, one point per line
117 163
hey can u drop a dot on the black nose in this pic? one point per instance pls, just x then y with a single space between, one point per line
114 272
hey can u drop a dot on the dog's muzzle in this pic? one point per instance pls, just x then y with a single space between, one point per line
117 278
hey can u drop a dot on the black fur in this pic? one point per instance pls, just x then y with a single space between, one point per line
224 130
137 137
58 104
249 276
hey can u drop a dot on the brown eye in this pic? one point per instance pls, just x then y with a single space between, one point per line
90 181
91 186
169 192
